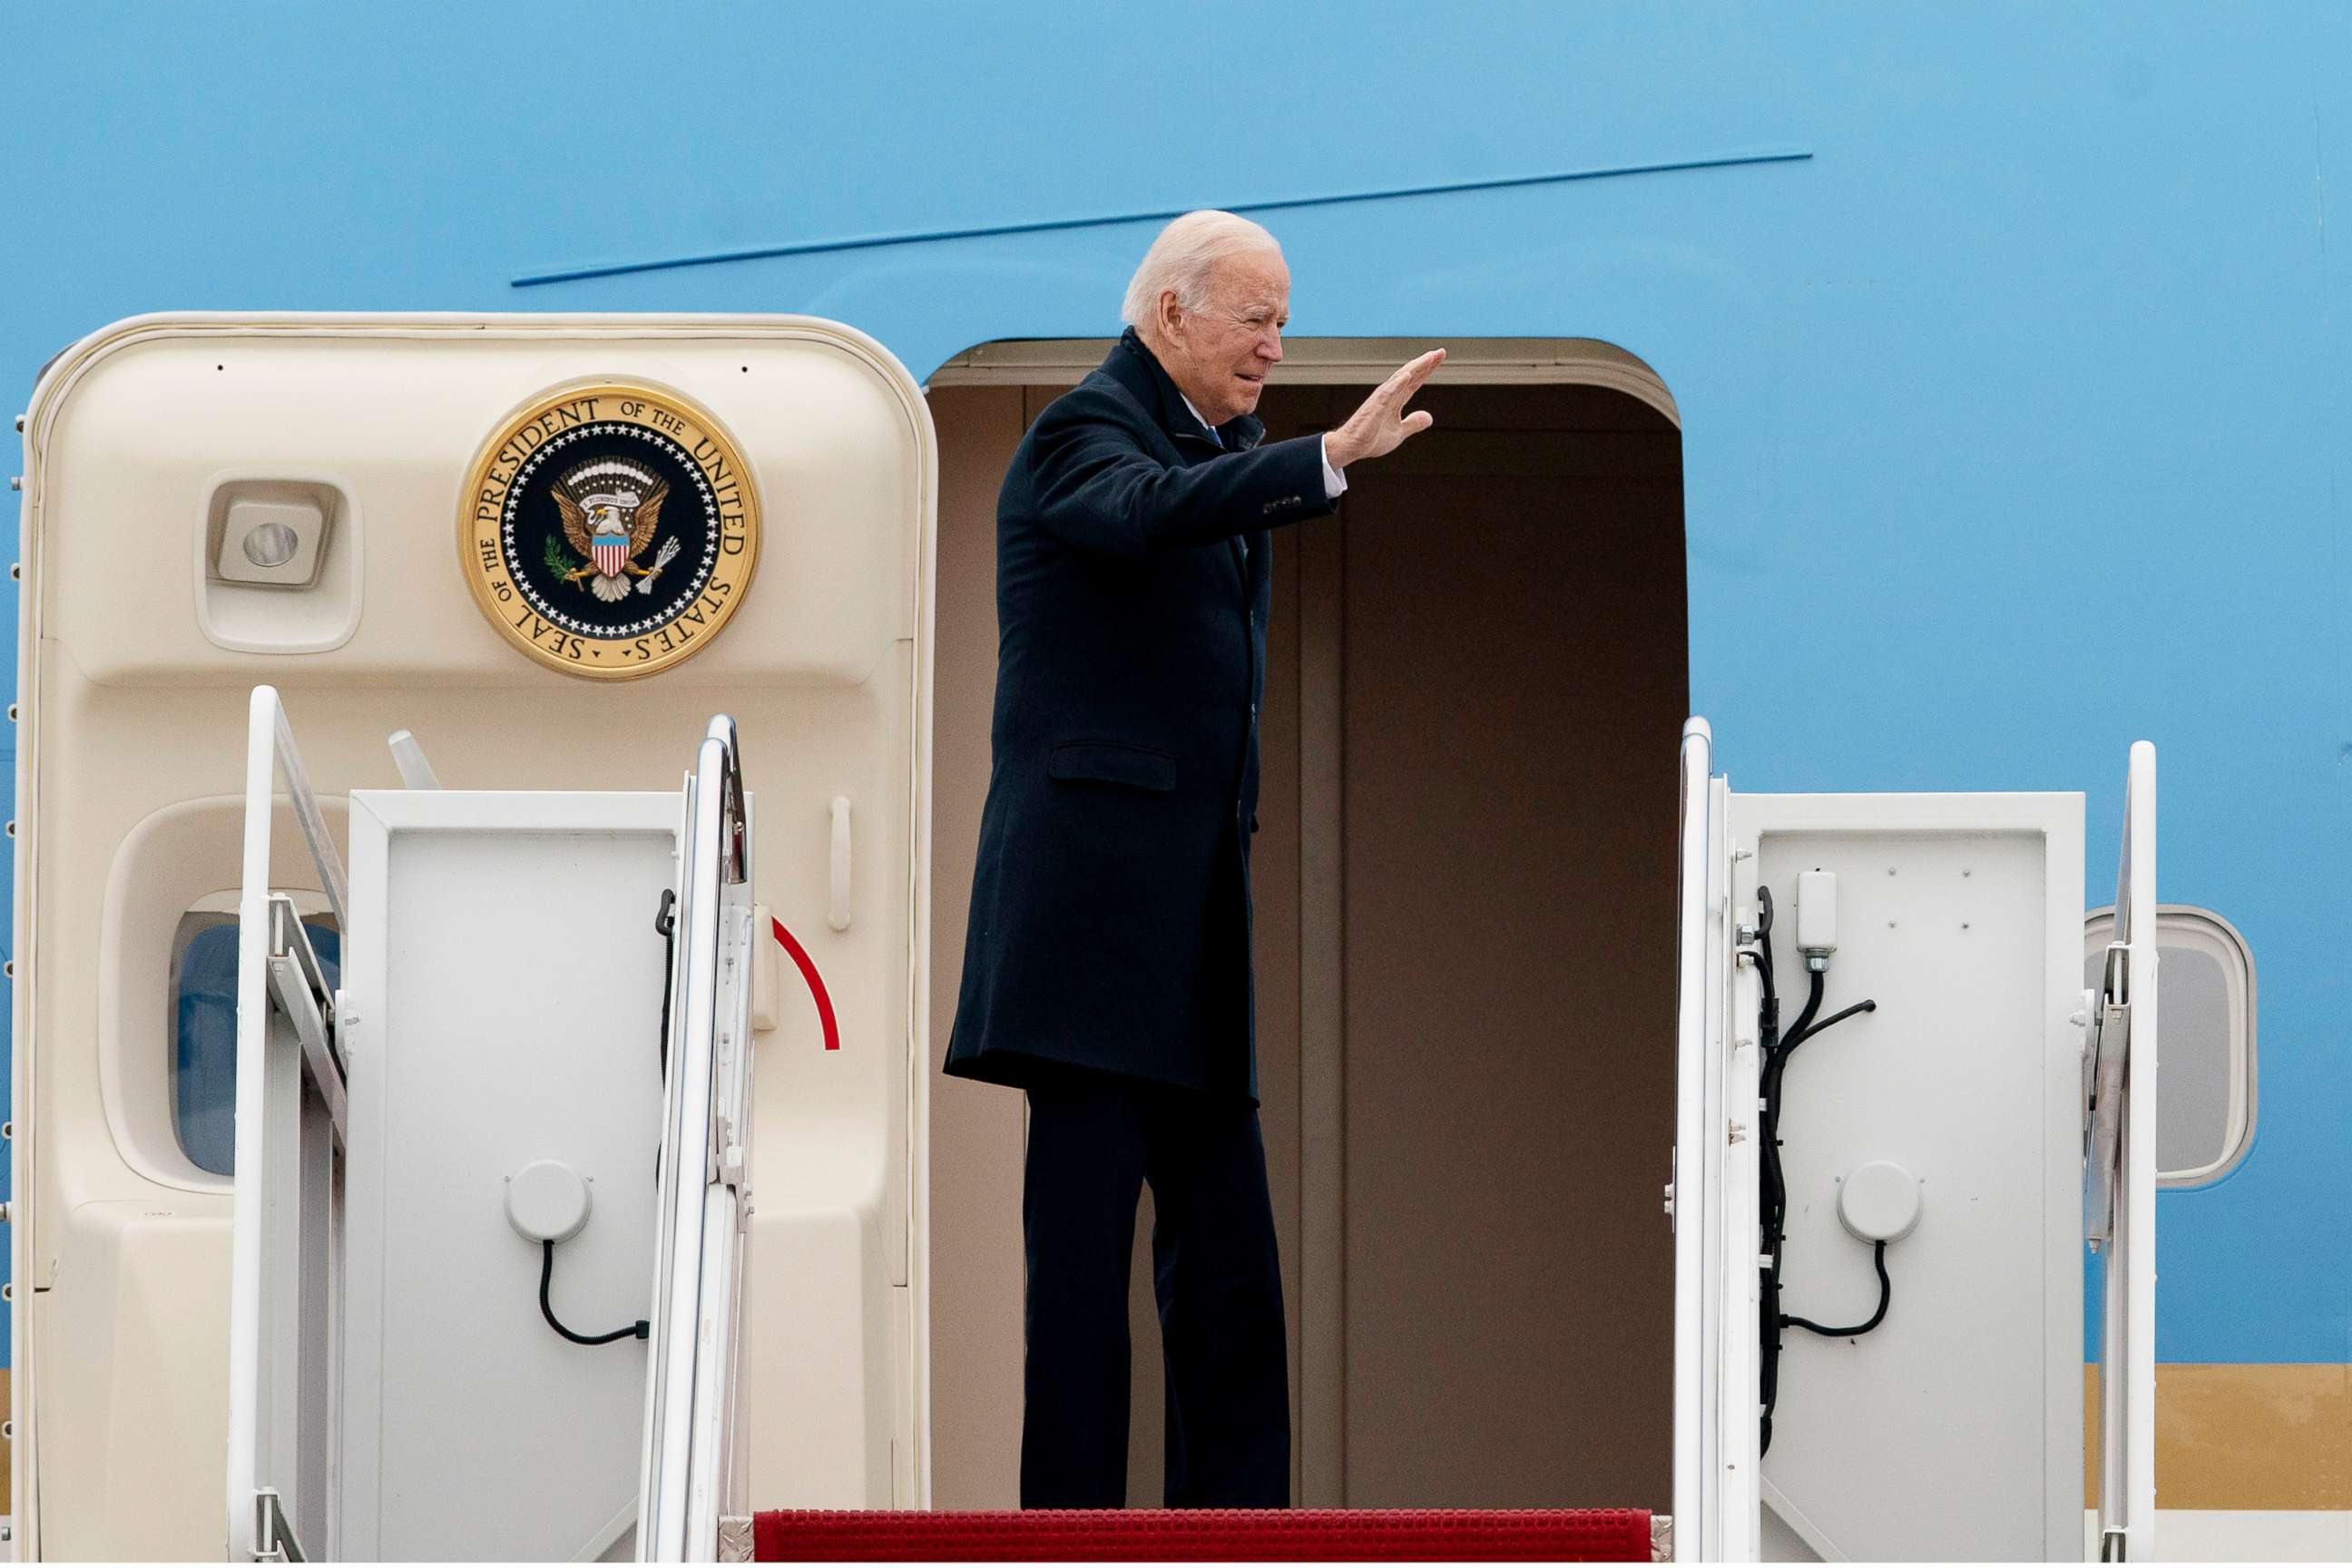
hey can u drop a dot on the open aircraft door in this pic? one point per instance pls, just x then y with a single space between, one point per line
1878 1322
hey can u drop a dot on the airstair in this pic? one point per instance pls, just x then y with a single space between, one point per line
520 1117
371 1369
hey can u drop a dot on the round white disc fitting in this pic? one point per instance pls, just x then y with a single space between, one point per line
1879 1202
547 1200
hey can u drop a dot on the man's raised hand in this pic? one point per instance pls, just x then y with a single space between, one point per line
1381 424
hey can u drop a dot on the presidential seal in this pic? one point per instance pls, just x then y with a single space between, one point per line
609 529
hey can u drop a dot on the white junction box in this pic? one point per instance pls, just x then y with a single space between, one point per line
1816 912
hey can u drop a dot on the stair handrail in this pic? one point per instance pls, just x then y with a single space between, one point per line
258 1527
691 1469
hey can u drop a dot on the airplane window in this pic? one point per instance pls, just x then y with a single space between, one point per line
204 1031
2205 1004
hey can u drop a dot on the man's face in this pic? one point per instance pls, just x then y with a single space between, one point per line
1224 351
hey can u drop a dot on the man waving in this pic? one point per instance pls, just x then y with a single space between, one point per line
1108 969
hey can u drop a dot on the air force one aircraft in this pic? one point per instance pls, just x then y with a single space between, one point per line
505 640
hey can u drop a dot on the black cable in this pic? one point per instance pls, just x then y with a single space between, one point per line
636 1331
1773 1193
1798 1030
1768 1087
666 923
1798 1038
1772 1185
1773 1201
1886 1296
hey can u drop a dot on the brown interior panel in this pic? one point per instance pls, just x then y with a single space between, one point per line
1515 687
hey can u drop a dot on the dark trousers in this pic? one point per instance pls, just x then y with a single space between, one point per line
1093 1143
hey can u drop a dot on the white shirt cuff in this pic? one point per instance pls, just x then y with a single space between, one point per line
1334 481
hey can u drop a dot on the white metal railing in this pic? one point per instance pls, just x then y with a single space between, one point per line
290 1132
2120 1168
1694 1424
693 1472
269 744
1713 1198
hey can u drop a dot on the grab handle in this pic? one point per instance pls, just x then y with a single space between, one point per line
836 914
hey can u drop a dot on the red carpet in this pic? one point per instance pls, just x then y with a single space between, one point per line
1206 1535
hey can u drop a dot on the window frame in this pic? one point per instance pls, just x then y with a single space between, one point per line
2194 926
185 1172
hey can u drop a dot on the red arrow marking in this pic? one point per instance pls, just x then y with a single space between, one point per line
815 984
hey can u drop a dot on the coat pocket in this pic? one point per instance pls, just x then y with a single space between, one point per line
1113 763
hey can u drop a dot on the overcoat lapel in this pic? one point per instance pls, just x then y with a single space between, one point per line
1242 433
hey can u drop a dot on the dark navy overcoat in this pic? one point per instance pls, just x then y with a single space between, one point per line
1111 907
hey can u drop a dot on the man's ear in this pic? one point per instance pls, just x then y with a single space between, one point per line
1169 312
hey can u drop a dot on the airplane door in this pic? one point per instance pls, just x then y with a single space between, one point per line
2119 1171
1712 1197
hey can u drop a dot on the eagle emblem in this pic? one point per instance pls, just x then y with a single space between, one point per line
609 529
610 509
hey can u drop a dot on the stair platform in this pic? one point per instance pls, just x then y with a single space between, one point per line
1205 1535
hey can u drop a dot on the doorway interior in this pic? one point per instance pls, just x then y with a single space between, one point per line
1465 876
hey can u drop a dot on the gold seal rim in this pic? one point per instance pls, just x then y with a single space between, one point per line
536 406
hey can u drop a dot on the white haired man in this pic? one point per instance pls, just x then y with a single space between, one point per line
1107 967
